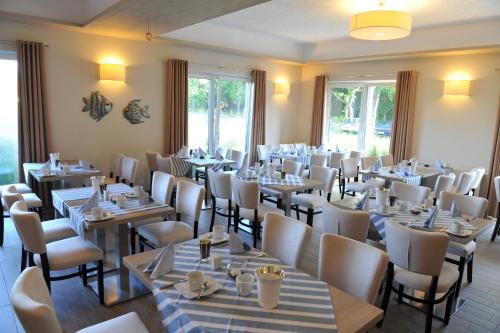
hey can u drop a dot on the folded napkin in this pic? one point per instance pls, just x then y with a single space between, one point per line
201 152
92 202
403 171
217 167
183 152
236 244
455 210
301 151
377 165
162 263
439 166
218 156
430 220
362 202
320 148
337 149
46 166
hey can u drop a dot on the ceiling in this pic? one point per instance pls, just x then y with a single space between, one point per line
296 30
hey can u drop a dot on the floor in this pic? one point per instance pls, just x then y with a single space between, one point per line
78 307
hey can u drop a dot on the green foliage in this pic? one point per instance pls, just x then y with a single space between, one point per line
385 109
9 172
198 94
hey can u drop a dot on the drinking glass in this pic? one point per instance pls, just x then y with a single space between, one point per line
204 250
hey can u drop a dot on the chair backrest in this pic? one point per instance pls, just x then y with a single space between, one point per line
240 158
417 251
368 161
468 205
355 154
349 167
189 199
479 173
220 184
464 182
9 196
408 192
245 193
164 164
354 267
151 158
162 187
326 175
285 238
348 223
292 167
32 304
318 159
299 146
129 169
387 160
335 158
116 164
287 147
496 181
29 228
263 151
443 183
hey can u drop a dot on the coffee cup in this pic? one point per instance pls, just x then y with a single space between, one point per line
250 173
244 284
403 205
268 286
457 227
120 201
97 213
428 203
137 190
106 195
218 232
195 280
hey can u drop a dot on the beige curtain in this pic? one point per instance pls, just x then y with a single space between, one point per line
318 110
494 168
32 105
176 115
402 122
258 135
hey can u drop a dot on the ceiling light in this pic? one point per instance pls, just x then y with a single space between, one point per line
380 25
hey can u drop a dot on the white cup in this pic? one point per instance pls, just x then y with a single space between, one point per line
457 227
250 173
97 213
106 195
218 231
268 287
384 208
137 190
244 284
195 280
403 205
120 201
216 261
428 203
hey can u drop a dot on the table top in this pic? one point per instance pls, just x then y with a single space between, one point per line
309 184
206 162
351 314
61 175
422 171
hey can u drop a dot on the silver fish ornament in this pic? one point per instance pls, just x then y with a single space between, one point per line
97 105
135 113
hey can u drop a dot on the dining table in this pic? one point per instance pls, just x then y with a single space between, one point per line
305 303
425 176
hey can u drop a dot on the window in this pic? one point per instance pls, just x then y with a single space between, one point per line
8 125
219 112
359 116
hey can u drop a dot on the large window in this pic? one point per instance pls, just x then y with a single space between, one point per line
8 123
359 116
219 112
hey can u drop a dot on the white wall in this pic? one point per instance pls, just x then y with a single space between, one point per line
455 129
72 73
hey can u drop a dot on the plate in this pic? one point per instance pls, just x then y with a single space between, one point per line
183 288
381 213
129 195
107 216
215 241
465 233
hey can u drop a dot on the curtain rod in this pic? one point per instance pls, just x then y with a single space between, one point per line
13 42
222 67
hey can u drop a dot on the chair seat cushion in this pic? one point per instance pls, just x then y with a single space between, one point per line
184 179
261 211
268 191
57 229
127 323
363 186
308 200
421 282
70 252
162 233
462 250
32 200
20 188
137 224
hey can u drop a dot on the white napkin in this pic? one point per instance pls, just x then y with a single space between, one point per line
429 223
455 210
183 152
162 263
201 152
218 156
439 166
337 149
301 151
236 244
362 202
46 166
92 202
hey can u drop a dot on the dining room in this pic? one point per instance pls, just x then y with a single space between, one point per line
249 166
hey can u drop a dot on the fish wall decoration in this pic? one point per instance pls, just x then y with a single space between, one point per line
97 105
135 113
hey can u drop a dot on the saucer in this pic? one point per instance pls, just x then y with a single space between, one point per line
215 241
106 216
184 290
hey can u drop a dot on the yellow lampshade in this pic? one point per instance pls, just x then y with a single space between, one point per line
282 88
456 87
113 72
380 25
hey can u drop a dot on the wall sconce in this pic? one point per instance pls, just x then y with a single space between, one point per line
112 72
456 87
282 88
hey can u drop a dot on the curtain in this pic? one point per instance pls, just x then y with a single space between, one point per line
318 110
494 168
32 105
258 135
176 129
402 122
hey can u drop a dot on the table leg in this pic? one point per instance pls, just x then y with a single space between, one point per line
286 202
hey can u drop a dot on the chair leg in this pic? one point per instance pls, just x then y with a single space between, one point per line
430 306
310 216
24 256
297 212
400 293
84 274
212 221
100 281
2 227
387 291
461 267
229 211
469 268
132 240
31 262
236 218
255 230
195 229
449 303
261 198
279 203
45 268
496 230
342 191
141 244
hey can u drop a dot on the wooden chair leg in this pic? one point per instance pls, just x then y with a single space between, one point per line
387 291
100 281
236 218
45 268
141 244
449 303
2 227
461 267
132 240
255 230
342 191
297 212
229 211
84 274
470 264
310 216
212 221
430 306
31 262
400 293
24 256
195 229
261 198
496 230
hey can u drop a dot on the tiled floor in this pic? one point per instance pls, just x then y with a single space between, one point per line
78 307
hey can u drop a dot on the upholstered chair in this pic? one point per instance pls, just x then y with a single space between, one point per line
443 184
222 204
496 229
349 168
387 160
129 170
412 193
348 223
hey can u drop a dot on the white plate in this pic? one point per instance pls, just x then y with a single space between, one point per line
215 241
107 216
184 290
465 233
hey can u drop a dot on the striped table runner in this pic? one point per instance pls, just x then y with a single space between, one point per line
289 180
304 159
304 306
59 197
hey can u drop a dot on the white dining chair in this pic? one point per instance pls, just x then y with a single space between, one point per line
33 306
413 193
348 223
349 168
263 151
241 160
27 177
152 164
247 206
464 183
312 201
129 170
115 169
289 167
476 183
10 195
416 261
355 154
496 229
351 266
222 203
287 147
334 162
387 160
368 161
443 184
318 160
285 238
162 187
188 204
165 165
58 255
